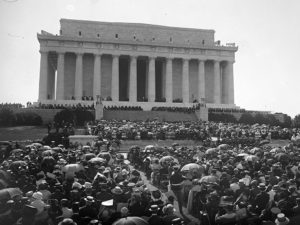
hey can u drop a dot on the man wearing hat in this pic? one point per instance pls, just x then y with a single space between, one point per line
37 202
89 209
281 219
261 200
176 181
154 218
28 215
104 194
169 210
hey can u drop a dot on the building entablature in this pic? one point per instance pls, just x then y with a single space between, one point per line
55 44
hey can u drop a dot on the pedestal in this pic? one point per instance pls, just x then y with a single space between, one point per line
98 111
202 113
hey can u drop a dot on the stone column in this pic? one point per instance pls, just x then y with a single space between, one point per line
97 76
115 78
230 84
185 81
60 87
151 80
201 81
169 80
43 76
133 79
78 77
217 83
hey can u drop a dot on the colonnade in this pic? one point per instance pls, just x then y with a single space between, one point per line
222 72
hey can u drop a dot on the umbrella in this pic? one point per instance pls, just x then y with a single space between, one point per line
46 147
38 145
223 146
149 148
48 152
86 148
4 175
167 159
254 150
15 151
72 168
209 179
97 160
3 184
264 142
251 158
190 166
88 156
107 156
57 149
8 193
131 220
274 150
16 164
210 151
282 157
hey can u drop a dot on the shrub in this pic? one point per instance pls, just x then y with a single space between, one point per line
28 119
7 117
222 117
81 116
78 116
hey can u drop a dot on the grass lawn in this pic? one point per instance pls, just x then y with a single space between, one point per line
33 133
22 133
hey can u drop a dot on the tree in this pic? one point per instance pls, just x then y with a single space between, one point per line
65 115
259 118
296 121
287 121
247 118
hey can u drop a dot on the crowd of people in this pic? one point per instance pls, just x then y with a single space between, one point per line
216 183
11 105
175 109
229 133
62 106
83 185
123 108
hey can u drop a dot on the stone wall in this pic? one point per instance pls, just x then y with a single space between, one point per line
140 33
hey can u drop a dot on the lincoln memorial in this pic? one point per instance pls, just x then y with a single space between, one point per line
135 64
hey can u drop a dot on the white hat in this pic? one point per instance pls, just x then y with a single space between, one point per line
76 185
117 190
87 185
89 199
38 195
108 203
281 219
125 172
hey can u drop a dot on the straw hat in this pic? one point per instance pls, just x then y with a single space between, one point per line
281 219
89 199
117 190
37 195
108 203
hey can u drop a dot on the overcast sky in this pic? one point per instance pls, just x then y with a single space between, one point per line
267 32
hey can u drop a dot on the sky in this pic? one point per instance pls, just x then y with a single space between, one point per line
267 32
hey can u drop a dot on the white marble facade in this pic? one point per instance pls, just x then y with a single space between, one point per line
135 63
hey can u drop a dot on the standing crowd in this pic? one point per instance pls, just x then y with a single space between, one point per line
217 183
